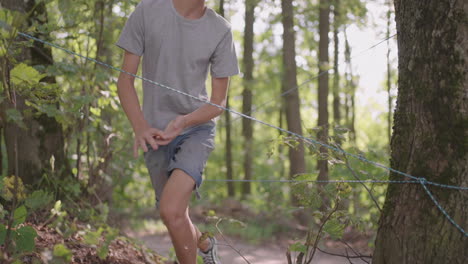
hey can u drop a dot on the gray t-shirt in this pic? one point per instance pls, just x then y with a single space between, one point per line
177 52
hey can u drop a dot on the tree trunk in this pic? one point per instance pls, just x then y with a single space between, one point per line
336 73
228 144
291 100
429 137
43 137
389 74
322 135
247 125
349 93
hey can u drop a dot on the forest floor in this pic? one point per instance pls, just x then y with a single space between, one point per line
265 253
270 249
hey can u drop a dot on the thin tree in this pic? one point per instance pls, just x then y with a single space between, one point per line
429 137
323 87
336 73
248 63
291 100
350 92
228 143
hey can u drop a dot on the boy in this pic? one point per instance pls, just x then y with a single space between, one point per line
179 40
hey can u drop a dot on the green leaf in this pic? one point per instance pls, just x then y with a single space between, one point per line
19 216
3 232
38 199
298 247
60 250
25 240
92 238
334 228
103 251
24 74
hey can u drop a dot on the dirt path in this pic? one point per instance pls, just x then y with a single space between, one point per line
255 254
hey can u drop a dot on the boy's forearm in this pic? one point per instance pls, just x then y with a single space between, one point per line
207 112
130 103
202 115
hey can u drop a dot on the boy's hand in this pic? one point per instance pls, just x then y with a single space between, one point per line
173 129
146 135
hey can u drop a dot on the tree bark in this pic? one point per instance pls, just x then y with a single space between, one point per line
247 125
43 137
350 92
291 100
336 73
323 87
389 74
228 143
429 136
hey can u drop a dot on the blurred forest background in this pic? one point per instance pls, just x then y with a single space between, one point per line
65 136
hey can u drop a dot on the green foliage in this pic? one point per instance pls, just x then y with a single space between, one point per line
19 216
334 228
101 238
23 74
298 247
12 188
38 200
21 237
62 253
25 238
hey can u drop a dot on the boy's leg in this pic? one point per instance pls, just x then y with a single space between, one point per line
174 213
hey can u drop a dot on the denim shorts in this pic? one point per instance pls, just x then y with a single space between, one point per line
187 152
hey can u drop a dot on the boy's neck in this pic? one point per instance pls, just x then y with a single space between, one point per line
190 9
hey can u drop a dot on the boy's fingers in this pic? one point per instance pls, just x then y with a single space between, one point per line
152 142
163 141
156 132
143 145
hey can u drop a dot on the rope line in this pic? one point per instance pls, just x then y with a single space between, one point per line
306 139
310 181
311 79
441 209
422 181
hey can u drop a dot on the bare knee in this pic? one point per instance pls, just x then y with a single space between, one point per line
172 217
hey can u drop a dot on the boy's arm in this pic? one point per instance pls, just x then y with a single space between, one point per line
203 114
129 101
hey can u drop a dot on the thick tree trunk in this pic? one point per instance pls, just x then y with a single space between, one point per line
43 137
322 135
247 125
429 137
291 100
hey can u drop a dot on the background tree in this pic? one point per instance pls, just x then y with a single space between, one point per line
323 87
336 73
228 140
429 137
291 100
248 63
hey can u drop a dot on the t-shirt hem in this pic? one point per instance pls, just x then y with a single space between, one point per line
225 74
129 49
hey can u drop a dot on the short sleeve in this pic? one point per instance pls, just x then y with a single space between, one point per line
132 37
224 59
